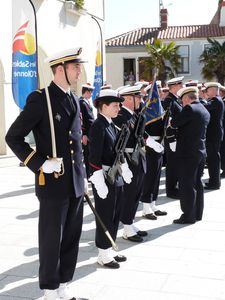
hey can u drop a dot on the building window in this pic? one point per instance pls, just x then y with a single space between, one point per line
129 67
207 46
184 52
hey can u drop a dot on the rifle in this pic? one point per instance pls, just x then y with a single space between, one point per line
138 133
119 149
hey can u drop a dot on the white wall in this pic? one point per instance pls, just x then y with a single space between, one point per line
58 30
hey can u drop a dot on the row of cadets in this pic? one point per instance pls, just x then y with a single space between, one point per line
191 124
154 131
173 107
109 198
222 148
133 191
214 134
87 117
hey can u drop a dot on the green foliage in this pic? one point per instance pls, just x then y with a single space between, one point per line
78 3
164 58
213 60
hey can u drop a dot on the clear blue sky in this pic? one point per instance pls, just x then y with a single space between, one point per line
125 15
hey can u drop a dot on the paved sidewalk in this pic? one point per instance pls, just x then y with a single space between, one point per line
175 262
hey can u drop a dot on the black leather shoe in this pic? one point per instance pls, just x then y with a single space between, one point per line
120 258
222 175
134 238
150 216
112 265
160 213
142 233
182 221
211 187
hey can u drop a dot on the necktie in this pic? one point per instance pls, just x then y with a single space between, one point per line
70 100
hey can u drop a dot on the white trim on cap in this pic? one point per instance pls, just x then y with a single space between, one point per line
175 80
211 84
108 92
63 56
131 90
186 90
90 87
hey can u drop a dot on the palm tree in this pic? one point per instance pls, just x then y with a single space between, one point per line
213 59
164 58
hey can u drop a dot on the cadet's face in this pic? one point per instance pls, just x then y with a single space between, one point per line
73 72
111 110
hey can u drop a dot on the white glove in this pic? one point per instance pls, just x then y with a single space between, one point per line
85 186
97 178
173 146
126 173
151 143
52 165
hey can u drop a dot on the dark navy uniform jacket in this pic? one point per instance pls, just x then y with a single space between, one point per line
87 116
102 142
192 122
215 107
171 102
68 135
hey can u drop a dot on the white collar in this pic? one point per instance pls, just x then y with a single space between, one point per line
107 118
130 111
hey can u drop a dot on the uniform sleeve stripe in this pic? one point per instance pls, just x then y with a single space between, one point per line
29 157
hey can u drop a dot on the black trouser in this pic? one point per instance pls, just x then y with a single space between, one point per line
109 210
60 224
132 193
171 170
152 177
222 155
86 161
191 187
213 161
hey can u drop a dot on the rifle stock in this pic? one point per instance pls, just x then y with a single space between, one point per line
119 148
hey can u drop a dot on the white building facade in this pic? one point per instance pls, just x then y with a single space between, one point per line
60 26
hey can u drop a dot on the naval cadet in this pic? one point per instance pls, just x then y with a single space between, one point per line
172 106
154 130
87 119
192 123
59 182
133 191
107 191
214 134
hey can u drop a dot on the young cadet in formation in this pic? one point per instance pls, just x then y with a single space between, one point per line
222 148
171 103
132 191
214 134
87 120
108 196
61 198
154 158
192 123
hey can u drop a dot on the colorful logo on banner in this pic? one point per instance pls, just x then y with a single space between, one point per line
154 109
98 74
24 65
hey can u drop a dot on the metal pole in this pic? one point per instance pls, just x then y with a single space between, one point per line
100 29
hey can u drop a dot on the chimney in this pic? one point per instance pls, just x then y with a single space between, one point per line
222 14
163 18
